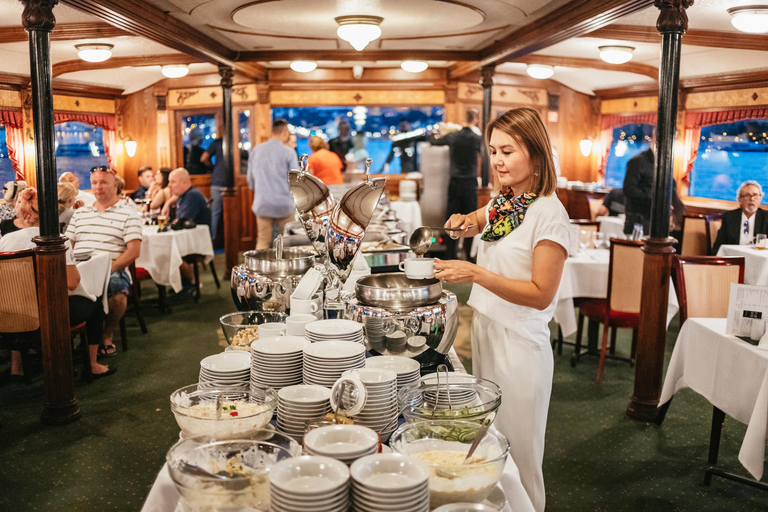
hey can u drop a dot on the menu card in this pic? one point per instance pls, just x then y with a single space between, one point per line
745 305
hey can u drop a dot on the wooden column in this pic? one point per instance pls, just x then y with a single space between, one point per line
649 362
229 192
60 406
486 81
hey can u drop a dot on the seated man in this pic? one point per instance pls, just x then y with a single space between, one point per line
111 227
741 225
83 198
146 177
613 203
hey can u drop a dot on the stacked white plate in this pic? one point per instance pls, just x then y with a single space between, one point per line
389 482
335 330
407 369
227 369
375 329
345 443
299 405
277 361
325 361
380 411
458 396
309 483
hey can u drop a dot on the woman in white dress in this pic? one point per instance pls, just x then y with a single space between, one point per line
525 233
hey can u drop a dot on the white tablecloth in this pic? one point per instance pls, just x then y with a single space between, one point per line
731 374
162 253
755 262
409 213
587 276
94 278
613 227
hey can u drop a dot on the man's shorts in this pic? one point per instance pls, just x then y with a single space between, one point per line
119 282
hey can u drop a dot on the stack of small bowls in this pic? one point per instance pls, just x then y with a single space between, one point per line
277 361
345 443
380 410
309 483
299 405
389 482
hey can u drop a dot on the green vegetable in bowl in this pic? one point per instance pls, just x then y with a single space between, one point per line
458 433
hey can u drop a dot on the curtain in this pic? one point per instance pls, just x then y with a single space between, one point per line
104 121
14 139
695 120
610 121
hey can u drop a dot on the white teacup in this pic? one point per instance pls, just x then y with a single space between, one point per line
295 323
304 306
418 268
270 329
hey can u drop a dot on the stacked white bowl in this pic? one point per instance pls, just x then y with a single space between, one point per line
225 370
299 405
335 330
389 482
345 443
380 410
277 361
407 369
309 483
325 361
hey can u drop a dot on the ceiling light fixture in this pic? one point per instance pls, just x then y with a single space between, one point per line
540 71
94 52
616 54
359 30
175 71
414 66
303 66
750 18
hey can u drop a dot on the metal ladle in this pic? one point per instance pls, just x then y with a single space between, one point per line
421 241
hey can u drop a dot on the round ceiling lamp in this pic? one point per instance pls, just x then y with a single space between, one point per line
540 71
303 66
616 54
752 19
175 71
414 66
359 30
94 52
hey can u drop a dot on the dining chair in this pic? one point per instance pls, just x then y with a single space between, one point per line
586 225
197 261
134 301
713 228
695 240
621 307
704 284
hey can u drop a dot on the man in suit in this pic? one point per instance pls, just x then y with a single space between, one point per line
741 225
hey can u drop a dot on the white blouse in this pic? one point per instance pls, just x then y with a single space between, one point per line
512 257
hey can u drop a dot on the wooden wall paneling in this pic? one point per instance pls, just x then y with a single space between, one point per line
727 99
139 122
209 96
577 120
203 183
10 99
629 105
79 104
163 145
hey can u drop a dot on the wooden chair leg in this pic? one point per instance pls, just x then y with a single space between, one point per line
196 268
214 274
603 348
123 334
612 350
634 347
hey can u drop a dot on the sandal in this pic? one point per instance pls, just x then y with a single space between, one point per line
107 350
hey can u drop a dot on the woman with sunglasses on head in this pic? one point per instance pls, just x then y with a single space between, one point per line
525 239
25 214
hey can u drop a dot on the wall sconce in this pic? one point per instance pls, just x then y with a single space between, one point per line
130 145
586 146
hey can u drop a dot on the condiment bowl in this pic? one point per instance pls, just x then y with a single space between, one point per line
233 323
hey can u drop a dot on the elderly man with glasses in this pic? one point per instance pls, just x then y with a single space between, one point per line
740 226
110 226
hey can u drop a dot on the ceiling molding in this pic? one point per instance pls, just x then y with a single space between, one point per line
142 18
725 81
573 19
707 38
371 75
70 66
627 91
17 82
353 55
66 32
578 62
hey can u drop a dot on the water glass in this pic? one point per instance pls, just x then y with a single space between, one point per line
584 239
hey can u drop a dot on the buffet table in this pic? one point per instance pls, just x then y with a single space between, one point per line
162 253
731 374
755 262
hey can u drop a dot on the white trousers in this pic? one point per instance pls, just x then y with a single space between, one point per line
524 373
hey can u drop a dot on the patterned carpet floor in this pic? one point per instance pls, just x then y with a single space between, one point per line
595 459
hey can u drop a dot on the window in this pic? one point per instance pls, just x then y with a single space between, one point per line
372 132
6 168
730 154
198 130
244 139
79 147
628 141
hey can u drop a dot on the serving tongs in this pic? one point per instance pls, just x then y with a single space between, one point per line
442 368
231 481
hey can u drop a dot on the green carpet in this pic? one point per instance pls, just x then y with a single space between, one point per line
595 458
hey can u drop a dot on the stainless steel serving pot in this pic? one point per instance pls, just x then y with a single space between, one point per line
397 291
294 262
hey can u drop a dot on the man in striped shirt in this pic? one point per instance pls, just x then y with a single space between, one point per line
109 226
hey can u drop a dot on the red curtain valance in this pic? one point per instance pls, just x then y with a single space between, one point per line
12 118
106 121
699 119
615 120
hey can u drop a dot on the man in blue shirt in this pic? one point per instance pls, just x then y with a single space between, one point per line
215 153
190 203
145 181
268 168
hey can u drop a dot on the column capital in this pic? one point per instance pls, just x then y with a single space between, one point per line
486 75
672 15
38 14
226 73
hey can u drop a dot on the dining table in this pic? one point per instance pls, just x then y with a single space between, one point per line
162 253
755 262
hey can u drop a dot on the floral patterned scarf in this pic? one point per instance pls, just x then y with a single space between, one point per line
506 213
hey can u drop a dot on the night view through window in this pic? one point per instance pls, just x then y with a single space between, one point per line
628 140
730 154
372 129
6 169
79 147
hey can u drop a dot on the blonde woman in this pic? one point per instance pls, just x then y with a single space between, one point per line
525 234
67 196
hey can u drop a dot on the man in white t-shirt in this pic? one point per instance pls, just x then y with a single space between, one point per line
109 226
83 198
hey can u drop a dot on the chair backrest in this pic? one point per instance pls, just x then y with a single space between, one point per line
586 225
625 275
19 311
704 284
595 202
695 240
713 227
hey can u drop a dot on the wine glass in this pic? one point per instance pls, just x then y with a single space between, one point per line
585 238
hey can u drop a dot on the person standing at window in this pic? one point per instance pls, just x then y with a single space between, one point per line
741 225
342 144
323 163
214 157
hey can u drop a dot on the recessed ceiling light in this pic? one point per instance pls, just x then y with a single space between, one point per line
175 71
94 52
750 18
303 66
359 30
414 66
616 54
540 71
